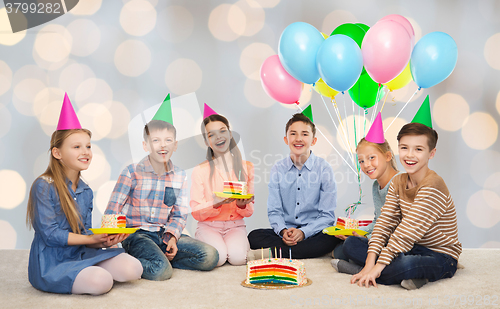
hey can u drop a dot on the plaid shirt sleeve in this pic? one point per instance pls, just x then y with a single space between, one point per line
120 196
178 215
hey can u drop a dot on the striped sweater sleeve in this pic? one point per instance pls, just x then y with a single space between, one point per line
428 206
386 223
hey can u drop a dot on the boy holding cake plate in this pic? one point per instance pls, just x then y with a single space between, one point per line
415 239
153 196
302 197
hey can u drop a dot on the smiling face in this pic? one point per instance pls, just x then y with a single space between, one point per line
414 154
299 139
160 144
75 153
373 162
218 137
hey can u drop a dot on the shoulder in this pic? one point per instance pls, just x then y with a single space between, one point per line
322 164
282 164
433 180
248 164
179 171
43 182
43 185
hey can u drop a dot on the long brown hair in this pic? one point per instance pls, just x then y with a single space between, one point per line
383 148
55 171
233 148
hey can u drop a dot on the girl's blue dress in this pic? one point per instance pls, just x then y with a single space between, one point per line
53 265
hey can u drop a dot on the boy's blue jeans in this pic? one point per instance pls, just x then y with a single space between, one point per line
149 248
418 263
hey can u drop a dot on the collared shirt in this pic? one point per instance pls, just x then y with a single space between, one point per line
305 198
141 194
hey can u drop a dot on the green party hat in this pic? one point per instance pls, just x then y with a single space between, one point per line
423 115
308 113
164 113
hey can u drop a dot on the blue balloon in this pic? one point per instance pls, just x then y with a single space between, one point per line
433 59
297 51
339 62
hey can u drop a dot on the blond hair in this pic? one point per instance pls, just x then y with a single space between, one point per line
55 171
383 148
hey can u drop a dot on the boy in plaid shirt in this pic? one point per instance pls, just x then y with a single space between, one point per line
153 195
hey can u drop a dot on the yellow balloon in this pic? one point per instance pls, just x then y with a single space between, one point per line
401 80
326 36
322 88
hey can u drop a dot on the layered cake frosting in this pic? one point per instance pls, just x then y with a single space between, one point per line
114 221
276 272
235 187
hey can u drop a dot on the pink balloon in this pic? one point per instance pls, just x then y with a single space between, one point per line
386 50
403 22
277 83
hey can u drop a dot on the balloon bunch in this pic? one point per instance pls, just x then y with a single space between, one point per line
367 62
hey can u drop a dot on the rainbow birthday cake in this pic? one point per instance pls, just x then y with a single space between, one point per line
113 221
235 187
276 272
349 223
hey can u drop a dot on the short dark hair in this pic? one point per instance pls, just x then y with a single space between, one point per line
300 117
415 128
154 125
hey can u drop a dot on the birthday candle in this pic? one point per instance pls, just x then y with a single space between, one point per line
280 254
290 254
275 253
270 254
262 252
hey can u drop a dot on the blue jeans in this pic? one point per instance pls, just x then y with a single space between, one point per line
149 249
418 263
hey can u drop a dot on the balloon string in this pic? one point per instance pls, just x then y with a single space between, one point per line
344 135
376 104
386 95
402 110
347 127
332 145
331 117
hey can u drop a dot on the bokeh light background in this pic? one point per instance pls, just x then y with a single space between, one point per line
116 59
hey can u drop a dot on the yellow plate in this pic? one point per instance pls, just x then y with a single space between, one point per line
126 230
229 195
334 230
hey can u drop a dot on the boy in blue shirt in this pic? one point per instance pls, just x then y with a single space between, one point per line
302 198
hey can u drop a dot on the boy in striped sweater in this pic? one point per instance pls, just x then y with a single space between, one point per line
415 239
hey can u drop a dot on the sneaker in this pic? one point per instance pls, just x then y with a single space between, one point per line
413 284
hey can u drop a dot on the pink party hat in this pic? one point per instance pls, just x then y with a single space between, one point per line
207 111
376 132
67 118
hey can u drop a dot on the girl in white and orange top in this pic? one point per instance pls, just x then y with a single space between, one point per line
221 223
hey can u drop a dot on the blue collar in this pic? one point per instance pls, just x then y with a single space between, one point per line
308 164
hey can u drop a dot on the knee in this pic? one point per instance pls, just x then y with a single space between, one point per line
100 282
133 269
158 271
237 259
211 258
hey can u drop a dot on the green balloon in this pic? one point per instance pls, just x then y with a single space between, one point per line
364 92
353 31
363 26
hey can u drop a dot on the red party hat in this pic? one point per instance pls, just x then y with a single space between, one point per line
376 132
207 111
67 118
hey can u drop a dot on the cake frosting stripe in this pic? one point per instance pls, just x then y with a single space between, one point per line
276 271
235 187
114 221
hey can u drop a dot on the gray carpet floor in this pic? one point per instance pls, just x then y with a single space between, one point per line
477 285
